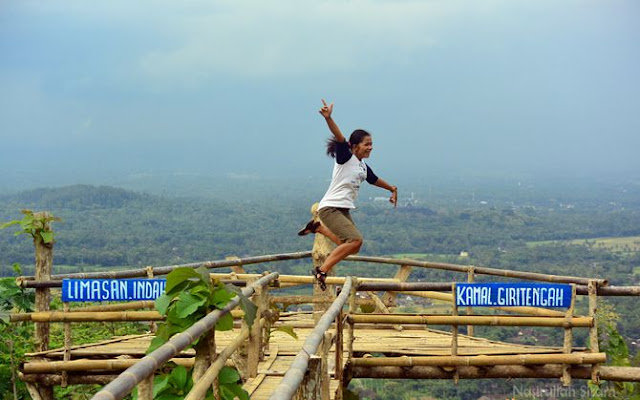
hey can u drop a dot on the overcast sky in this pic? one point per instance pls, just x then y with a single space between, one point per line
233 87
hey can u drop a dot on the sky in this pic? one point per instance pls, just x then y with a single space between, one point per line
494 87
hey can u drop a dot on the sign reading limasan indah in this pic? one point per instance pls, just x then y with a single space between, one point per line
112 289
513 295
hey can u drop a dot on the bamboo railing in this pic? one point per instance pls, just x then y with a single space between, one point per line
295 375
145 368
355 367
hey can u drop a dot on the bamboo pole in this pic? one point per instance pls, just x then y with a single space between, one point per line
471 320
389 298
25 281
478 270
484 360
352 310
383 308
153 327
52 380
470 279
339 343
145 389
43 268
454 332
311 299
568 338
302 279
593 331
548 371
67 345
91 316
56 316
48 367
324 351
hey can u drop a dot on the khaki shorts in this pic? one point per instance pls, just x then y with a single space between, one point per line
339 221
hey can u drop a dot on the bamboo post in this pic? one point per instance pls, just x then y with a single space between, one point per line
145 388
322 246
270 316
236 269
454 332
67 345
44 264
254 342
568 338
311 389
389 298
153 327
205 354
324 370
245 356
339 345
352 310
383 308
593 330
470 279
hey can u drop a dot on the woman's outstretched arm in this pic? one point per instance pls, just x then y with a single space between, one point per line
393 189
326 111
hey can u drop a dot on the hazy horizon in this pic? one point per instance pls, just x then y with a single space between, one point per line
100 91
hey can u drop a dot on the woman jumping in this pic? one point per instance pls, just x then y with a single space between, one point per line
349 171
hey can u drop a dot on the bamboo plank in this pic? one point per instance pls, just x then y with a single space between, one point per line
483 360
472 320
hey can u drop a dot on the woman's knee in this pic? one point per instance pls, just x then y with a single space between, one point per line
356 244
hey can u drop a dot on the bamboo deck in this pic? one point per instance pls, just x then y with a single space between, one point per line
283 348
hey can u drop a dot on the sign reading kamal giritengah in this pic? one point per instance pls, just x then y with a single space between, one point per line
513 295
112 289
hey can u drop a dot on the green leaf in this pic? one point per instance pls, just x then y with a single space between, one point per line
288 329
10 223
204 275
238 391
4 318
221 296
225 323
178 276
179 377
159 385
162 303
47 237
228 375
226 393
187 304
156 342
246 305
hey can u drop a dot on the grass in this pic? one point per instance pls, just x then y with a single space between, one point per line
613 244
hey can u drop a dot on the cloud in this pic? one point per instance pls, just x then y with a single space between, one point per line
257 39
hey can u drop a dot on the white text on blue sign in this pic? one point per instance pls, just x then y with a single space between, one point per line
112 289
513 295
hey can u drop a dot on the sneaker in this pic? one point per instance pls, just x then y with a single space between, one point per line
311 227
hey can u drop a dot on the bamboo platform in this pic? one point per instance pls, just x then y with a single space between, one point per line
420 342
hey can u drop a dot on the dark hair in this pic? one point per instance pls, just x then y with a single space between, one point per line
356 137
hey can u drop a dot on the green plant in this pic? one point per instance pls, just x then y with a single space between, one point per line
189 296
618 355
18 336
35 225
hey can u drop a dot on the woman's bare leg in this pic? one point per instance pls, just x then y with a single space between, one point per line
330 235
340 253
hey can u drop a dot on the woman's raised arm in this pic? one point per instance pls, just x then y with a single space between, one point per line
326 111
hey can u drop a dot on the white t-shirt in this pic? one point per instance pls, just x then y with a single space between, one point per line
348 173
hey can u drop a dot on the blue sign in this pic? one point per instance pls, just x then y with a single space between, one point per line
513 295
112 289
